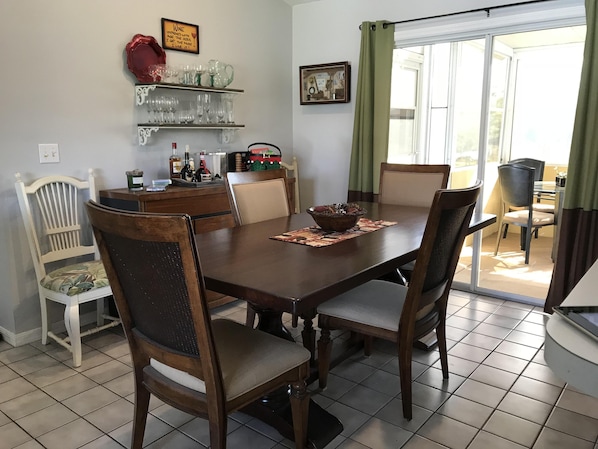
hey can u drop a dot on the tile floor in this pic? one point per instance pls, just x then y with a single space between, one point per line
500 394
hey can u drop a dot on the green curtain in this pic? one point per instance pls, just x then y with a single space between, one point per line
578 235
372 110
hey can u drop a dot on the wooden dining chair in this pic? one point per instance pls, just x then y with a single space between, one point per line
410 185
256 196
517 194
208 368
401 314
65 259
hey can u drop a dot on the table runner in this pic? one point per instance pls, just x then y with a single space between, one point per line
317 237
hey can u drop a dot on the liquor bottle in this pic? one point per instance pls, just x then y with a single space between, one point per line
187 172
175 163
204 173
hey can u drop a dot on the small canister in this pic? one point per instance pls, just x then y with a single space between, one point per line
135 179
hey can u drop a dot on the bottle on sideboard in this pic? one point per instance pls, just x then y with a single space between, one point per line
187 173
204 173
175 163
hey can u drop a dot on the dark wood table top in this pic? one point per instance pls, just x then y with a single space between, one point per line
244 262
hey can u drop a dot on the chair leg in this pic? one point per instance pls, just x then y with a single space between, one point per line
100 307
368 343
324 352
405 354
498 235
442 349
528 243
71 322
218 426
300 410
142 398
250 318
44 311
504 235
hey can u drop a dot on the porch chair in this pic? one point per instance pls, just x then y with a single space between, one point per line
403 314
517 193
208 368
410 185
257 196
538 205
56 228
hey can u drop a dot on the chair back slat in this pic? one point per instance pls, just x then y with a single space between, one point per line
446 229
55 223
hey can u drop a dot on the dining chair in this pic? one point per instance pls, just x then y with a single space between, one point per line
410 185
538 205
257 196
58 234
294 167
394 312
208 368
517 194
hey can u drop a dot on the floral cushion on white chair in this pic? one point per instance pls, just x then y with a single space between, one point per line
77 278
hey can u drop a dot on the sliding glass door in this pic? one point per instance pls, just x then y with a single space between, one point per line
477 103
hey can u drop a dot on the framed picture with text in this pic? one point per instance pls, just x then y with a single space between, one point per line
325 83
180 36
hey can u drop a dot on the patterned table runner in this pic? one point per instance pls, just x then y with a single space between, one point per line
316 237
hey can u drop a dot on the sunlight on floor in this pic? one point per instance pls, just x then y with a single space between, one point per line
507 272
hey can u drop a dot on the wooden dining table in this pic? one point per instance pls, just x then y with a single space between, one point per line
276 277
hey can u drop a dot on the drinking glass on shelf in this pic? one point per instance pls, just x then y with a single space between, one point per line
228 108
220 111
200 70
200 109
149 103
207 106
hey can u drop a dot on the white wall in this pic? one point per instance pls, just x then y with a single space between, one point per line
64 80
328 31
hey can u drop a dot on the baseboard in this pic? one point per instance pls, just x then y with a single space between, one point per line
33 335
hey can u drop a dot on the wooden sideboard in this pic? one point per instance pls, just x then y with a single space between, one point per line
208 206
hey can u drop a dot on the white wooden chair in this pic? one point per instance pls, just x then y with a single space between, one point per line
295 169
56 226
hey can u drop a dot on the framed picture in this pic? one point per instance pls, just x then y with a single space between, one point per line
180 36
325 83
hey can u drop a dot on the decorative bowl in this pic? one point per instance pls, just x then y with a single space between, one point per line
337 217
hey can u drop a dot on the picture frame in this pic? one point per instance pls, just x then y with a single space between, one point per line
180 36
325 83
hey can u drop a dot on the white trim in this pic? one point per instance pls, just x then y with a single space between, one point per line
551 14
34 335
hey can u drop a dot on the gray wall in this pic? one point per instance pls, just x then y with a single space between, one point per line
64 80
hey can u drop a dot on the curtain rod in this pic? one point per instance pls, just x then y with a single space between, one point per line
487 10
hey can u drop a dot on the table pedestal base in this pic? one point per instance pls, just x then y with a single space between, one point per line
322 427
275 408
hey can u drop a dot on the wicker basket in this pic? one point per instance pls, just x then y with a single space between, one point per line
336 217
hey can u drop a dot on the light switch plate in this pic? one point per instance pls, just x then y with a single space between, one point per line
48 153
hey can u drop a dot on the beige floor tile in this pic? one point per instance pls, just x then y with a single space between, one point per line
419 442
447 431
46 419
494 376
574 424
552 439
513 428
466 411
13 435
91 400
526 408
26 404
71 436
481 393
579 403
536 389
379 433
485 440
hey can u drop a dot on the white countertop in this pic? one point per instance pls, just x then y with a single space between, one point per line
570 352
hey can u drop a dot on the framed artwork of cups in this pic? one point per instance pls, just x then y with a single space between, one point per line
325 83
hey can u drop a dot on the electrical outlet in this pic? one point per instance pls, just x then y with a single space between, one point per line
48 153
